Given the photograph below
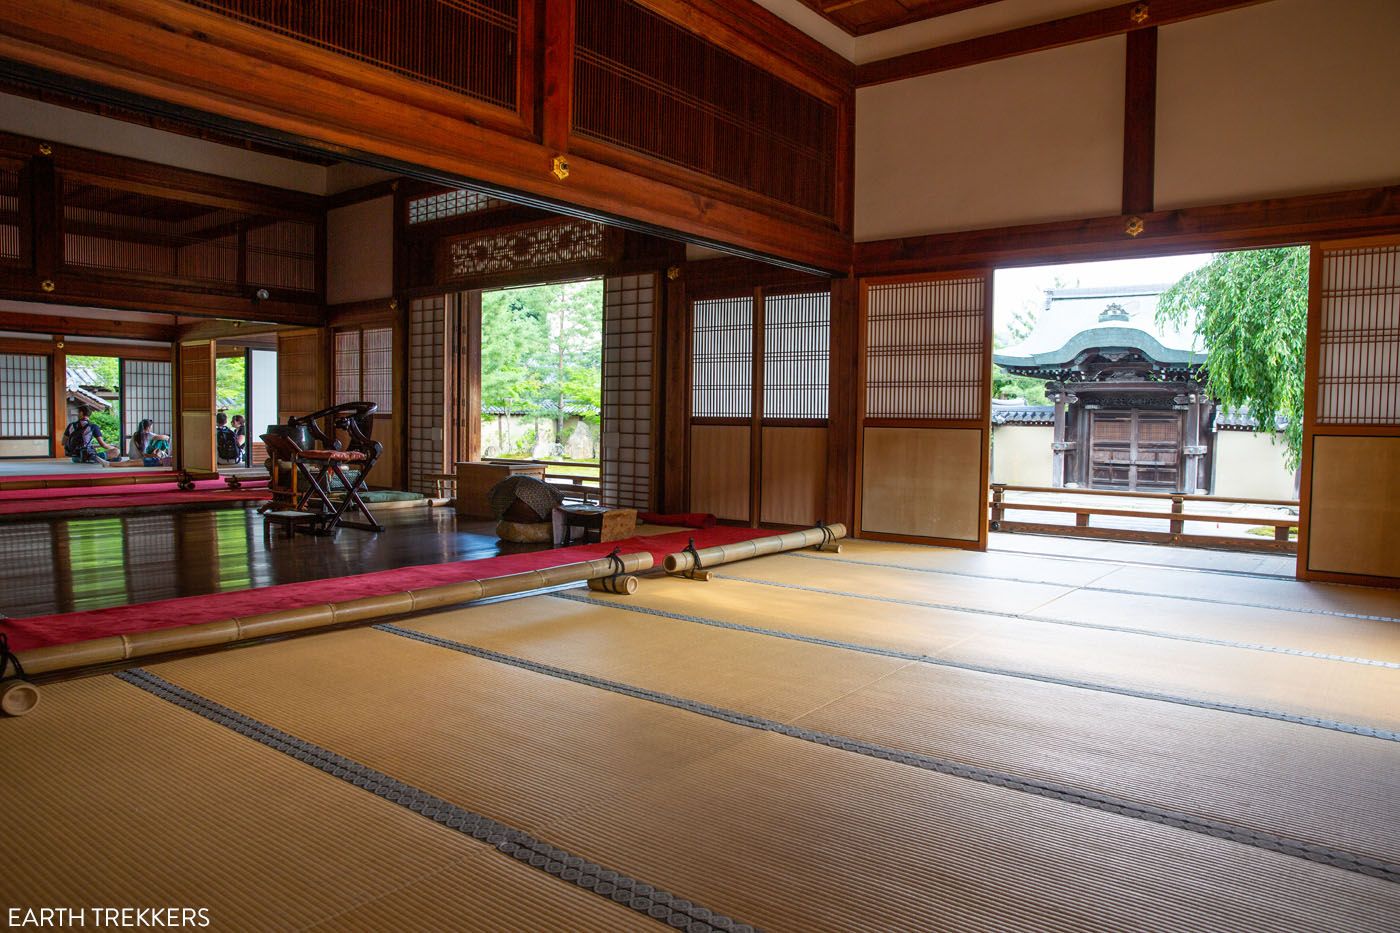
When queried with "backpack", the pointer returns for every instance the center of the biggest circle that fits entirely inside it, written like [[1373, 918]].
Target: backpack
[[227, 444], [75, 440]]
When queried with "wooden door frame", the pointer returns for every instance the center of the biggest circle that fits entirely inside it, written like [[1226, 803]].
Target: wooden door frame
[[862, 421], [1312, 431]]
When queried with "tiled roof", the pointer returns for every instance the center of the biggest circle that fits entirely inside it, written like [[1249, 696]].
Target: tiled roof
[[1023, 414]]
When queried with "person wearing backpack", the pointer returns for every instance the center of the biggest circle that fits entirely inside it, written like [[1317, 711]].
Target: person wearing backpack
[[83, 440], [226, 441]]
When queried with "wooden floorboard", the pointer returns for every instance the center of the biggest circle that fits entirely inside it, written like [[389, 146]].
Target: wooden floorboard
[[78, 564]]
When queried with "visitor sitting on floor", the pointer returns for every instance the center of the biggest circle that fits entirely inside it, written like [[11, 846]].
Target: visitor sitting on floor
[[226, 441], [240, 434], [83, 440], [150, 448]]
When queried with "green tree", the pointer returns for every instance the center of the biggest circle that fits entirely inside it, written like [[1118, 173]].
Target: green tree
[[1251, 311], [231, 383], [541, 349]]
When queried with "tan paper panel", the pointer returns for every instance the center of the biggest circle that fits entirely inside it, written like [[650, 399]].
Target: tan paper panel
[[1355, 510], [115, 797], [719, 470], [923, 481], [794, 475], [197, 439]]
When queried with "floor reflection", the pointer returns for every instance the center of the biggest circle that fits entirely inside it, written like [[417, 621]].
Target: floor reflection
[[94, 563]]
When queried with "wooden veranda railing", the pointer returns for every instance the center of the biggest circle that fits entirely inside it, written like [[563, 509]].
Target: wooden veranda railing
[[1175, 517]]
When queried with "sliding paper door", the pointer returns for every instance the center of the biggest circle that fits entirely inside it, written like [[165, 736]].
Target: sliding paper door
[[925, 429], [198, 401], [1350, 491]]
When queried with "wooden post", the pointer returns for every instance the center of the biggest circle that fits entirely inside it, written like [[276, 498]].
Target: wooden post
[[58, 391], [1177, 525], [998, 498]]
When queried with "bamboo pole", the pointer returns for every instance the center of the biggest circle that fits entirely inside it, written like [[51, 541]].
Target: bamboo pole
[[684, 561], [309, 618]]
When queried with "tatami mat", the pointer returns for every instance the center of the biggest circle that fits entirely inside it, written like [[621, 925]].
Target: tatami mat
[[1352, 693], [116, 798], [920, 574], [1305, 783], [770, 829]]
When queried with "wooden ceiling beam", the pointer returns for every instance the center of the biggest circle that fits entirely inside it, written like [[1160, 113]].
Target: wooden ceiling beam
[[67, 326], [1085, 27], [1245, 225]]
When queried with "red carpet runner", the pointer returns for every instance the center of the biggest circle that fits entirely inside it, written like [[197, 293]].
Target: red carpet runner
[[38, 631]]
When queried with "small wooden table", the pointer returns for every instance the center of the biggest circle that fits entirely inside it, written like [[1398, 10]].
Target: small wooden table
[[598, 523], [289, 519]]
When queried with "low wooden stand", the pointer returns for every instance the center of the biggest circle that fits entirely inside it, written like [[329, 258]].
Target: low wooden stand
[[290, 520], [598, 523]]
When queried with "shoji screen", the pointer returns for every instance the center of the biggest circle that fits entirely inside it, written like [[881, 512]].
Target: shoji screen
[[1351, 444], [629, 349], [426, 391], [146, 393], [796, 387], [925, 431], [722, 399], [24, 405]]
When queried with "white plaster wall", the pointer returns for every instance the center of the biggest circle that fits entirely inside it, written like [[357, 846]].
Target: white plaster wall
[[1250, 466], [1029, 139], [1283, 98], [360, 251], [12, 447], [55, 124], [1021, 454]]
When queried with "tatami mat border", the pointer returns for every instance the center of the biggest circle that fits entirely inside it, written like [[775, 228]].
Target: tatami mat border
[[1075, 623], [646, 899], [1326, 855], [1335, 726]]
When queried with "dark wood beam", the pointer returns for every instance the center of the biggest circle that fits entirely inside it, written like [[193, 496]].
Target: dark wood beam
[[378, 189], [67, 326], [74, 101], [175, 56], [222, 329], [1245, 225], [1140, 122], [131, 294], [1098, 24]]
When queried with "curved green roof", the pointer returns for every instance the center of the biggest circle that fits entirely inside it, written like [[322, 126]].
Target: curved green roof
[[1103, 338]]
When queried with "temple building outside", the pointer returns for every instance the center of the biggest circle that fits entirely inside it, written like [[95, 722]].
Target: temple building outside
[[1128, 407]]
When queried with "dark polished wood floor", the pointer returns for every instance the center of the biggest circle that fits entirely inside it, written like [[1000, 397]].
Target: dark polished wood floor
[[94, 563]]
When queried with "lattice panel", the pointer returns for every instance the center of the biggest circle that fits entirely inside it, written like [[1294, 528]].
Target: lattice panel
[[538, 247], [282, 255], [427, 408], [347, 366], [925, 350], [24, 395], [722, 358], [451, 204], [196, 378], [466, 46], [647, 84], [796, 355], [146, 393], [300, 374], [9, 213], [629, 308], [377, 368], [1359, 337]]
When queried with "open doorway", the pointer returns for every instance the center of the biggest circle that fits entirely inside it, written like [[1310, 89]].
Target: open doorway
[[1167, 385], [542, 379], [245, 380]]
